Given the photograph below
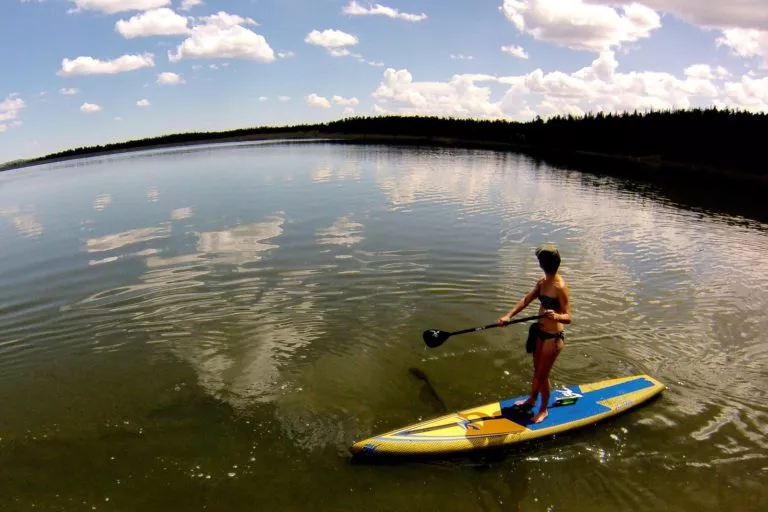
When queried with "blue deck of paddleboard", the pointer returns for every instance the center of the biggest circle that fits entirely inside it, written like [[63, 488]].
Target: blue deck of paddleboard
[[586, 406]]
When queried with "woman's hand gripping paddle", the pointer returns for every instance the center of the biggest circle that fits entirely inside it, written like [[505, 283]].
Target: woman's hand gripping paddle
[[435, 337]]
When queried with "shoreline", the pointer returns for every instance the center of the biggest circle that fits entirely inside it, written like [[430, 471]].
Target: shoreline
[[543, 153], [298, 136], [714, 189]]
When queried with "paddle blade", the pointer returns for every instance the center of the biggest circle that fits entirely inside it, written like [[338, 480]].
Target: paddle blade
[[435, 337]]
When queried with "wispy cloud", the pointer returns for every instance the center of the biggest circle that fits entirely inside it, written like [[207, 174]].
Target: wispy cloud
[[89, 108], [91, 66], [355, 9], [169, 78], [515, 51]]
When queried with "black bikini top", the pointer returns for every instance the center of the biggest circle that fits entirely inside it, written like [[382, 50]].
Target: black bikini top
[[550, 302]]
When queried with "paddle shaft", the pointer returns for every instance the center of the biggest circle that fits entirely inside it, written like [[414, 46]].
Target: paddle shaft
[[490, 326], [435, 337]]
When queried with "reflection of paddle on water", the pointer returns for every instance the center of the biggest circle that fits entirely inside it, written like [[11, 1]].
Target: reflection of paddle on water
[[428, 386]]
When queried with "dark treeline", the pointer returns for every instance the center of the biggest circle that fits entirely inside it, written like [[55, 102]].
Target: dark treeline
[[173, 140], [713, 138]]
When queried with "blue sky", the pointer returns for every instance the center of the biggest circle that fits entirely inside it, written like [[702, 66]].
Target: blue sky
[[82, 72]]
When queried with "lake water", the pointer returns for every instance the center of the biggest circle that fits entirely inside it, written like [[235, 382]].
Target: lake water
[[212, 328]]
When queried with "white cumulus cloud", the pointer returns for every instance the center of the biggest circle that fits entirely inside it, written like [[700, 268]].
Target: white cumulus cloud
[[143, 103], [515, 51], [579, 25], [335, 41], [223, 36], [68, 91], [157, 22], [91, 66], [89, 108], [318, 101], [115, 6], [708, 13], [283, 98], [10, 107], [748, 94], [460, 96], [746, 43], [347, 102], [355, 9], [189, 4], [598, 87], [743, 23], [706, 72], [224, 20], [168, 78]]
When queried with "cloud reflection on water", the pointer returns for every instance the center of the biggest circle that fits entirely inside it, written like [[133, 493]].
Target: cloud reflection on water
[[338, 170], [24, 222], [28, 225], [241, 244], [322, 173], [102, 201], [181, 213], [343, 232], [437, 177], [235, 329], [126, 238]]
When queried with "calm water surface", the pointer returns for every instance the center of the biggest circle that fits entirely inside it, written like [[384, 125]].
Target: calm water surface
[[210, 329]]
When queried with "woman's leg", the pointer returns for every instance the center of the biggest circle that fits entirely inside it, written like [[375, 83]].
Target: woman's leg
[[531, 400], [549, 352]]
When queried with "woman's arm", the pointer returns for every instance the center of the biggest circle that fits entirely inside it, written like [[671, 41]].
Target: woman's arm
[[522, 303], [565, 301]]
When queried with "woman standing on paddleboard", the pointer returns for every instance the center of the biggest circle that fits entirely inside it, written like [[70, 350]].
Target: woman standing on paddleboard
[[547, 335]]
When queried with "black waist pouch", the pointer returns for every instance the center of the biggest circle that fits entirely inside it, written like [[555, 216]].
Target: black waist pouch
[[530, 343]]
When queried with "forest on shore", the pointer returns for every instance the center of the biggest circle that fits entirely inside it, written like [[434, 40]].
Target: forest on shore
[[724, 140]]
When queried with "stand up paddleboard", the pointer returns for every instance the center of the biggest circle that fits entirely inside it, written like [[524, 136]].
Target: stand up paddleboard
[[502, 423]]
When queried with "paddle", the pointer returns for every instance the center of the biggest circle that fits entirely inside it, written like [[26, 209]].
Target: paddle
[[435, 337]]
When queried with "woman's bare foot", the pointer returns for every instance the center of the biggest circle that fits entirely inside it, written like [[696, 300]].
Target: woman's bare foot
[[541, 416], [527, 403]]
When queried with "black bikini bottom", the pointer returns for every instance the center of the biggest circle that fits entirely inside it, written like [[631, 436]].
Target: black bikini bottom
[[534, 332], [549, 335]]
